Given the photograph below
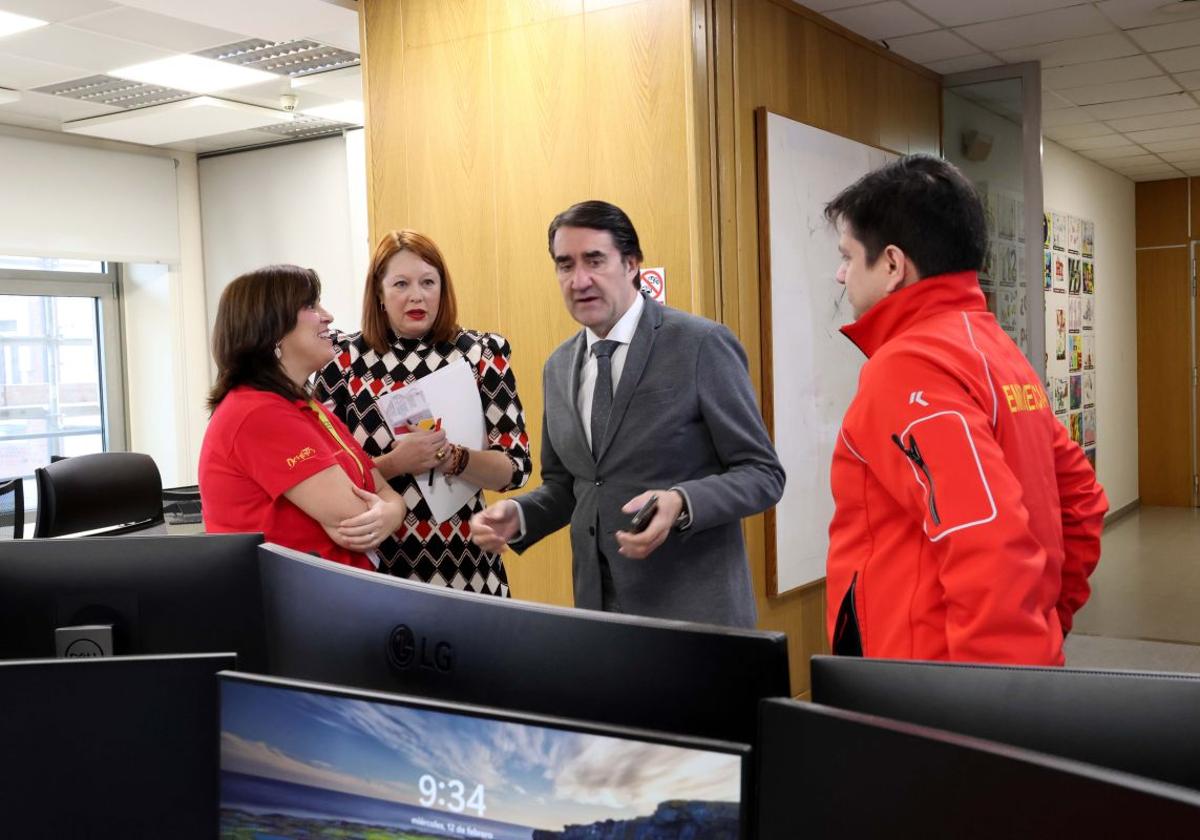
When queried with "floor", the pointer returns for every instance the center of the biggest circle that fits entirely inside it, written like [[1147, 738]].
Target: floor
[[1144, 612]]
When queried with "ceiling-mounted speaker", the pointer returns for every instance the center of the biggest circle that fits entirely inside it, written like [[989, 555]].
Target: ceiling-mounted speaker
[[976, 145]]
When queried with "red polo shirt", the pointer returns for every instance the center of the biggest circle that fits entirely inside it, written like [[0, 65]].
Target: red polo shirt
[[258, 446]]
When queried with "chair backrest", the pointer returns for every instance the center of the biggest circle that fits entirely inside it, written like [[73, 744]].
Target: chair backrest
[[12, 509], [118, 491]]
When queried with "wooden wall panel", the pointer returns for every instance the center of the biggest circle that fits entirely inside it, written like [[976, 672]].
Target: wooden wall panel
[[486, 118], [799, 65], [1164, 373], [1194, 206], [1162, 212]]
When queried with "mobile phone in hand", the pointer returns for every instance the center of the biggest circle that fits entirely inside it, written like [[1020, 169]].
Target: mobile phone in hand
[[642, 518]]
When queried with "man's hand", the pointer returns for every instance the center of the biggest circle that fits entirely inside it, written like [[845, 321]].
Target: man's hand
[[638, 546], [495, 525]]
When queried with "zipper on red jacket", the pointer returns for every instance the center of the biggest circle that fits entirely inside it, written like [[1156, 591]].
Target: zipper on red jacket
[[914, 454], [847, 635]]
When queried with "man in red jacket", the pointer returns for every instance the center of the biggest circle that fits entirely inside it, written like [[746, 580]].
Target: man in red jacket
[[966, 521]]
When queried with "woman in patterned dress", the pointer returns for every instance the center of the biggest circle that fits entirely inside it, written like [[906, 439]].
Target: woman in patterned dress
[[409, 330]]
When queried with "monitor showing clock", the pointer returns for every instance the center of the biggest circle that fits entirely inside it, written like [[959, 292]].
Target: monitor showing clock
[[308, 759]]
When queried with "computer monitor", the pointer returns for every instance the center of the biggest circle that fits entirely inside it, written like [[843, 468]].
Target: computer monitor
[[339, 625], [120, 747], [1139, 722], [161, 594], [827, 772], [311, 760]]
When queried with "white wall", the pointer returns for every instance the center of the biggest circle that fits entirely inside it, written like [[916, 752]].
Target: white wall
[[1073, 184], [303, 203], [101, 213]]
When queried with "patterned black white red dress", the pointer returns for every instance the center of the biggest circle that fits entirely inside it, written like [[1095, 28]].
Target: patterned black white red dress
[[423, 549]]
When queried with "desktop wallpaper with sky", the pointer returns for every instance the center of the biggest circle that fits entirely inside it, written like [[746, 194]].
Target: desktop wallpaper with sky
[[325, 747]]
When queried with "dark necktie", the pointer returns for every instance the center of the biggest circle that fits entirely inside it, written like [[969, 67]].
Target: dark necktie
[[602, 396]]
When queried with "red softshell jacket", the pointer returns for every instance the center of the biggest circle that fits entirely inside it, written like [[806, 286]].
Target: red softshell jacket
[[966, 521]]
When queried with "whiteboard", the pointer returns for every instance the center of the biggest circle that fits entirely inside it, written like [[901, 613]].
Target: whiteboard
[[813, 369]]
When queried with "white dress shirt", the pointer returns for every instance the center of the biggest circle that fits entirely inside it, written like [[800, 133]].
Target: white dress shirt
[[622, 332]]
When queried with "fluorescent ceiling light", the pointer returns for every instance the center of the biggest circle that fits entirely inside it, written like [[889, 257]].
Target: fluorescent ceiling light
[[193, 73], [11, 24], [343, 112], [7, 96]]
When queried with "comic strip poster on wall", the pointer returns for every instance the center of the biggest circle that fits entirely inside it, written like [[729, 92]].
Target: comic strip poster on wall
[[1070, 285]]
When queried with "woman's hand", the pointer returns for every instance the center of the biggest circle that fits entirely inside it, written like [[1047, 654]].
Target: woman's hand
[[381, 519], [414, 452]]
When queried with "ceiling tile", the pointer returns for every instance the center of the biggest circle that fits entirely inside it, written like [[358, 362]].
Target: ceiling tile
[[1100, 72], [1072, 22], [1190, 80], [1113, 152], [55, 11], [932, 46], [1162, 176], [25, 73], [1051, 101], [1073, 51], [1134, 160], [1105, 142], [1179, 61], [1065, 116], [1182, 145], [202, 116], [1184, 158], [25, 121], [882, 20], [65, 45], [829, 5], [962, 64], [57, 108], [1154, 135], [1136, 107], [1129, 14], [1069, 132], [1149, 121], [1116, 91], [274, 20], [157, 30], [1168, 36], [957, 13]]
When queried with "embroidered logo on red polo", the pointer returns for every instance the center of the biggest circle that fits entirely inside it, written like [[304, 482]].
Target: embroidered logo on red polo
[[303, 455]]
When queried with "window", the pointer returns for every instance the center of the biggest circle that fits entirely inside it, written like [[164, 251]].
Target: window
[[60, 365]]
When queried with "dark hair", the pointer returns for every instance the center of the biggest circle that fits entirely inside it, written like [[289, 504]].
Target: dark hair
[[376, 330], [921, 204], [256, 311], [600, 215]]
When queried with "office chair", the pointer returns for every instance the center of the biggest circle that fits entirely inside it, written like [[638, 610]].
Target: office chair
[[120, 492], [181, 505], [12, 509]]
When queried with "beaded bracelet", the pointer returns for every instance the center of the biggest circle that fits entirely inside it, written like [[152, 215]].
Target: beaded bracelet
[[461, 457]]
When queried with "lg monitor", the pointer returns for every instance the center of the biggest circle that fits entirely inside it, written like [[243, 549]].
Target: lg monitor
[[122, 747], [159, 594], [1139, 722], [339, 625], [826, 772], [309, 760]]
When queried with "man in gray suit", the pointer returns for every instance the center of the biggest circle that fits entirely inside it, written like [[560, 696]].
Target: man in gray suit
[[646, 401]]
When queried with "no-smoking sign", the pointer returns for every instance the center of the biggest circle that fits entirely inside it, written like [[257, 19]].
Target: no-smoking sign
[[654, 283]]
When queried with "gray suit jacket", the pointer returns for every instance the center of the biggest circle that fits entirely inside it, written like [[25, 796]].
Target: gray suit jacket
[[684, 415]]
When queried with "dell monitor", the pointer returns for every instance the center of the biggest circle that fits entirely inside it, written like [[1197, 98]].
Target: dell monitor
[[828, 772], [335, 624], [310, 760], [1142, 723], [159, 594], [120, 747]]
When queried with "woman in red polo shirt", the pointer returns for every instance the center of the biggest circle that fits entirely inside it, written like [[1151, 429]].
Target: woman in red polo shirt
[[273, 459]]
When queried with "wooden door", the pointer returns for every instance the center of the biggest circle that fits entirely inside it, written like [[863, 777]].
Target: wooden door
[[1165, 363]]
